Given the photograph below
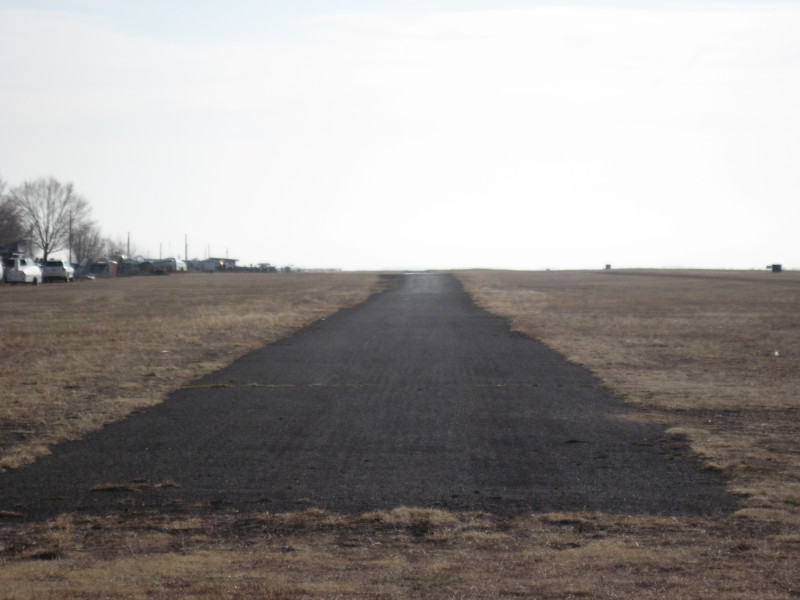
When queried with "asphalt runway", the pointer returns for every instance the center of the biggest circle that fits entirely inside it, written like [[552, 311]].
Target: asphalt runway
[[414, 398]]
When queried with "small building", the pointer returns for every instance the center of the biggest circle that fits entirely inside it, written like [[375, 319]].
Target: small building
[[104, 268], [210, 265], [167, 265]]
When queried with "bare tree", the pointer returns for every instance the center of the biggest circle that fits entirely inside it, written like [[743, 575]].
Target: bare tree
[[11, 229], [48, 210], [86, 242], [120, 247]]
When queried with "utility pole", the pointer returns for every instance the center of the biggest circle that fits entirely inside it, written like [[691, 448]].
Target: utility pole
[[186, 246]]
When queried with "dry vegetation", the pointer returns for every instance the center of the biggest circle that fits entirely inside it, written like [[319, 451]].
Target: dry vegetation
[[714, 355], [405, 553], [693, 350], [74, 357]]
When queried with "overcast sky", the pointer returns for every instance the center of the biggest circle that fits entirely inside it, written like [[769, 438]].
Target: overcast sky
[[435, 134]]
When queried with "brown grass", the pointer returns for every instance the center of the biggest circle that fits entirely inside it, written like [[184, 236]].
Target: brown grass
[[406, 553], [74, 357], [690, 349], [714, 355]]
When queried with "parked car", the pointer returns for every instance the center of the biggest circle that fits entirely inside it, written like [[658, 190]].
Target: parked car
[[21, 270], [58, 269]]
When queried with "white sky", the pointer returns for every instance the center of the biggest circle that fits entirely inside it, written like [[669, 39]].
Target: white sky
[[437, 134]]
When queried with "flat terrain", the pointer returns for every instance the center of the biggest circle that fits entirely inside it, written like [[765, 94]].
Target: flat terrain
[[75, 357], [414, 398], [712, 356]]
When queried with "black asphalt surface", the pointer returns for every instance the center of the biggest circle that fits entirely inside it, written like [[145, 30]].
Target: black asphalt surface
[[415, 398]]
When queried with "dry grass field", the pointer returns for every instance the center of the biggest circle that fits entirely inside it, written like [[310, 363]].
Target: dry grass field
[[74, 357], [695, 351], [713, 355]]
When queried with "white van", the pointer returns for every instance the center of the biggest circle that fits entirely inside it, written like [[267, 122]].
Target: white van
[[21, 270]]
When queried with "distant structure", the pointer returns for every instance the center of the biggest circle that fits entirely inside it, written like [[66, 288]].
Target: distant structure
[[105, 268], [210, 265], [775, 268], [18, 248]]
